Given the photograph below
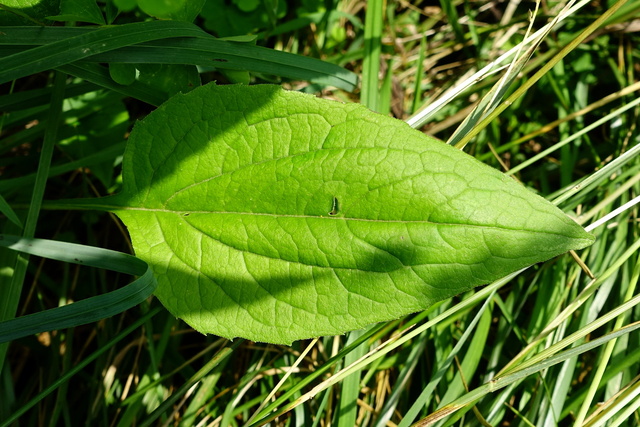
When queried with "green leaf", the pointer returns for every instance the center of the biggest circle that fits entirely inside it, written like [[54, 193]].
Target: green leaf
[[277, 216], [225, 19], [123, 74], [177, 10], [125, 5], [169, 79], [86, 132], [27, 12], [79, 10]]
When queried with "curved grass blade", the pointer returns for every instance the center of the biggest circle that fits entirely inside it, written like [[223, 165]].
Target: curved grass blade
[[87, 310]]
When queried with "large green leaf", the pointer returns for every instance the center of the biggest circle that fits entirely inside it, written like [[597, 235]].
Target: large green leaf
[[276, 216]]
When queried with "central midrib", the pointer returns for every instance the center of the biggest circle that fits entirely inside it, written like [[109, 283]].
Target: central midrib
[[186, 213]]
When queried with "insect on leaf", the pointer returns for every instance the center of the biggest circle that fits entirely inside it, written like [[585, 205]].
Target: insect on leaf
[[226, 195]]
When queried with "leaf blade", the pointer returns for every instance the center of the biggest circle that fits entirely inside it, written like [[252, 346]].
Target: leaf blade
[[229, 189]]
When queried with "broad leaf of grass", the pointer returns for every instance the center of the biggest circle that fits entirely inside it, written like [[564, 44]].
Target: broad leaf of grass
[[100, 76], [232, 55], [85, 43]]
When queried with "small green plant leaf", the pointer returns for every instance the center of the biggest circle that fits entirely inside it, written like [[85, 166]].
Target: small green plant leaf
[[169, 79], [177, 10], [276, 216], [79, 10], [27, 12], [123, 74]]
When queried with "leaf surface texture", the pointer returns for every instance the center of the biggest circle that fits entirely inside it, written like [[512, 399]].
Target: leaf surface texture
[[276, 216]]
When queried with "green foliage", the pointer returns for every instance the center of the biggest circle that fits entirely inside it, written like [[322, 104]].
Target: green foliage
[[27, 12], [79, 10], [90, 309], [79, 50], [86, 132], [177, 10], [169, 79], [123, 74], [225, 188], [226, 18], [544, 346]]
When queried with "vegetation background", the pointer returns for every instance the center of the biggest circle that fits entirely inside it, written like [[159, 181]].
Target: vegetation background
[[547, 346]]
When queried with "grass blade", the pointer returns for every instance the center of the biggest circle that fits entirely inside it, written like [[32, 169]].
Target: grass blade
[[87, 310], [372, 48], [182, 43], [10, 305], [77, 368]]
